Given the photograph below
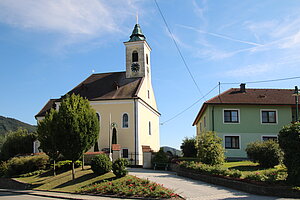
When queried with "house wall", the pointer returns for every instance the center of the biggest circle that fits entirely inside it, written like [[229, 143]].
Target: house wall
[[249, 128]]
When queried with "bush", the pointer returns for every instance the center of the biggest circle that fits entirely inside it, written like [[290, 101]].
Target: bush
[[204, 169], [119, 167], [210, 149], [3, 169], [66, 165], [234, 173], [101, 164], [17, 142], [21, 165], [267, 153], [160, 157], [289, 141], [188, 147]]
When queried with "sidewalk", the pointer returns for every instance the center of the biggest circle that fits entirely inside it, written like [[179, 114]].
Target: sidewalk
[[193, 189], [58, 195]]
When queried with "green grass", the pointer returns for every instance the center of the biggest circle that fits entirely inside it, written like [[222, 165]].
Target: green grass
[[63, 182]]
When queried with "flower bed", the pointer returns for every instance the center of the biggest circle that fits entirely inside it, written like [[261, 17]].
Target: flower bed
[[130, 186]]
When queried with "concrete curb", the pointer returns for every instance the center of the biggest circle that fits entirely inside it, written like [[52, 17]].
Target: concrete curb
[[279, 191]]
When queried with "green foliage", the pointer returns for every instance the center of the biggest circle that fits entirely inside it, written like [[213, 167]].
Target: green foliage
[[9, 124], [119, 167], [66, 165], [46, 131], [18, 142], [289, 141], [210, 149], [21, 165], [131, 186], [101, 164], [188, 147], [78, 127], [204, 168], [3, 168], [234, 173], [160, 157], [267, 153]]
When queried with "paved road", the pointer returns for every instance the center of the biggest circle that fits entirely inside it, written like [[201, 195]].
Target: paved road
[[192, 189], [12, 195]]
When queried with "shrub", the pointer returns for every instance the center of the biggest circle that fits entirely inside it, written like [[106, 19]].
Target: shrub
[[204, 169], [210, 149], [234, 173], [119, 167], [256, 176], [188, 147], [21, 165], [289, 141], [267, 153], [101, 164], [66, 165], [17, 142], [160, 157], [3, 169]]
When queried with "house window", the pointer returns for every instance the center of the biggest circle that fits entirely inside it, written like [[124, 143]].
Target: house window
[[268, 116], [135, 56], [149, 128], [125, 120], [267, 137], [204, 121], [231, 116], [125, 153], [232, 142]]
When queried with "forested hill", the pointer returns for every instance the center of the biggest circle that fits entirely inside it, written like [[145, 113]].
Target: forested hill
[[10, 124]]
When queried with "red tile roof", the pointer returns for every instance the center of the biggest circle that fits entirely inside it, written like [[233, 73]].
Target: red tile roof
[[234, 96]]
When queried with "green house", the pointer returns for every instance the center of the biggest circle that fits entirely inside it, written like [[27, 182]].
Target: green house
[[240, 116]]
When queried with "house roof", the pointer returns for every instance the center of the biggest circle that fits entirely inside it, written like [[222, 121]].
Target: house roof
[[235, 96], [102, 86]]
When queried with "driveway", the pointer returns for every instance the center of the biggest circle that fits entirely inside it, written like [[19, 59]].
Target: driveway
[[193, 189]]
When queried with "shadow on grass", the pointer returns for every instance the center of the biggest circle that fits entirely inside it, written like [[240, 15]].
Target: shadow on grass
[[105, 180], [77, 180], [248, 168]]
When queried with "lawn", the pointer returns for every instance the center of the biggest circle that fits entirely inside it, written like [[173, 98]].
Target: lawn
[[63, 182]]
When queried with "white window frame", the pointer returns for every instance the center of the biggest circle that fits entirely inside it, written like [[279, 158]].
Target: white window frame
[[276, 113], [122, 120], [232, 135], [229, 109], [268, 136]]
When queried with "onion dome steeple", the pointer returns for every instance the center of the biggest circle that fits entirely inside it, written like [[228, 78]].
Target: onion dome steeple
[[137, 34]]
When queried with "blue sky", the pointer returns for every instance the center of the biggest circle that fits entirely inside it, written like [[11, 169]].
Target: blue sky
[[48, 47]]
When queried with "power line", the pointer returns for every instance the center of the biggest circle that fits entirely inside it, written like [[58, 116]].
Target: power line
[[265, 81], [177, 47], [178, 114]]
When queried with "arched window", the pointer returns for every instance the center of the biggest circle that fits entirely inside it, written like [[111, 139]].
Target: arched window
[[135, 56], [149, 128], [147, 59], [96, 146], [125, 120]]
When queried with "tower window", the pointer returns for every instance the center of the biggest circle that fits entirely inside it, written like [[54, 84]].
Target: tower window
[[135, 56], [125, 121], [149, 128], [147, 59]]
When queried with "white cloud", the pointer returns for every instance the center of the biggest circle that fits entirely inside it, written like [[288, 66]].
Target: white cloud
[[81, 17], [250, 70]]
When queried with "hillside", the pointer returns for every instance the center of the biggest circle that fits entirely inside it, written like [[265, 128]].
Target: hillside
[[10, 124]]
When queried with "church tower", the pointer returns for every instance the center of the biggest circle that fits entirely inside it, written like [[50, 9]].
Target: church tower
[[138, 55]]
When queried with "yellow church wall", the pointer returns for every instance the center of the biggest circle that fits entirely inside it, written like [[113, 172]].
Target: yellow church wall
[[115, 108], [146, 115]]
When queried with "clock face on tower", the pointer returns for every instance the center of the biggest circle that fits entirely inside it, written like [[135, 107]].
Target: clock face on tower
[[135, 67]]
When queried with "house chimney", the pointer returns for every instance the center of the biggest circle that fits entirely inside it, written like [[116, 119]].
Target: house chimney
[[243, 87]]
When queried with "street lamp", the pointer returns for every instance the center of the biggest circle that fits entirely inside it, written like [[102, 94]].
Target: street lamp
[[296, 94]]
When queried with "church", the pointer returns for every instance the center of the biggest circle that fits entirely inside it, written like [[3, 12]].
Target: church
[[124, 102]]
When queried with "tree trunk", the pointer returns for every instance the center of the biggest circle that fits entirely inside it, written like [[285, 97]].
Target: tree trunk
[[73, 170], [54, 172], [82, 162]]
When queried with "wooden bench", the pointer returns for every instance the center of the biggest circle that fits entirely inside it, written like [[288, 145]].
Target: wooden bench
[[161, 165]]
